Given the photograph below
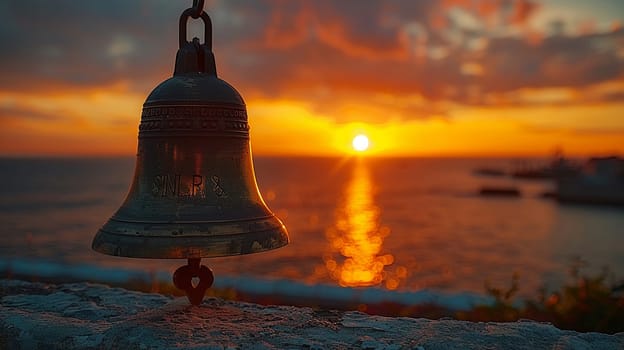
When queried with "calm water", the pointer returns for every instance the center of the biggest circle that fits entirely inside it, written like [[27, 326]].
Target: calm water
[[401, 224]]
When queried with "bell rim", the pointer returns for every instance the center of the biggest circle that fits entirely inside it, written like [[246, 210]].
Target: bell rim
[[178, 240], [123, 245], [190, 222]]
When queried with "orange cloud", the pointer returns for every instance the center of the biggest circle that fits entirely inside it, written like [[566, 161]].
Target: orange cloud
[[437, 69], [94, 122], [522, 10]]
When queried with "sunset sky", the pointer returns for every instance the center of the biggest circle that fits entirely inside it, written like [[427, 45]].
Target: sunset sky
[[420, 78]]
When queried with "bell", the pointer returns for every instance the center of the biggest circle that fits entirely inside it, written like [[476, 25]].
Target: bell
[[194, 194]]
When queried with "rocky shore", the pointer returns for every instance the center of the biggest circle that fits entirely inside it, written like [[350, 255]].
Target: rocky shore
[[92, 316]]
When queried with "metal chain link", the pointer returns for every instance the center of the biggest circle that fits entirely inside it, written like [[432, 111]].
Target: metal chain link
[[198, 8]]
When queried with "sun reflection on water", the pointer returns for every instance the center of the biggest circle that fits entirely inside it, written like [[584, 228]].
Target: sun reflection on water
[[358, 237]]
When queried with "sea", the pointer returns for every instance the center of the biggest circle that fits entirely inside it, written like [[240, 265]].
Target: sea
[[393, 224]]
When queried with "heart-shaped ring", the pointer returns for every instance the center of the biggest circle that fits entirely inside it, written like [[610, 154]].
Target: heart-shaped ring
[[183, 279]]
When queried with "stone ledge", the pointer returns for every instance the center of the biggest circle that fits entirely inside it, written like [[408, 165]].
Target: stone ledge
[[90, 316]]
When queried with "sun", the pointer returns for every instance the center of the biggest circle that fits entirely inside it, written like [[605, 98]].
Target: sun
[[360, 143]]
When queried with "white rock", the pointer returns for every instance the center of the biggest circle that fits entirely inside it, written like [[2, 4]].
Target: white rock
[[87, 316]]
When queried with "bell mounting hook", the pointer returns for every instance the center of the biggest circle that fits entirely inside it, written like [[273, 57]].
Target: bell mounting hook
[[195, 12], [193, 56]]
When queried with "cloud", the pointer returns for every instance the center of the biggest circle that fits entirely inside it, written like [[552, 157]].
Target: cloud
[[429, 55], [67, 43], [578, 131], [557, 61], [327, 52], [8, 112], [522, 11]]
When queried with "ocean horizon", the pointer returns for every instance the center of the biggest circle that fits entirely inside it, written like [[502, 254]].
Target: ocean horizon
[[400, 224]]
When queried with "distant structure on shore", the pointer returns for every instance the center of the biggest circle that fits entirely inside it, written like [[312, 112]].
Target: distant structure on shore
[[599, 181]]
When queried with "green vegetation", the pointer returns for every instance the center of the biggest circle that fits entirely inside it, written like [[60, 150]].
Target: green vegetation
[[584, 304]]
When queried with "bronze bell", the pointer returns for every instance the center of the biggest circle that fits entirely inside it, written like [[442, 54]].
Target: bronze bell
[[194, 193]]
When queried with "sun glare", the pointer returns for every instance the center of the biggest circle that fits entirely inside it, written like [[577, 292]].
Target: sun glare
[[360, 143]]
